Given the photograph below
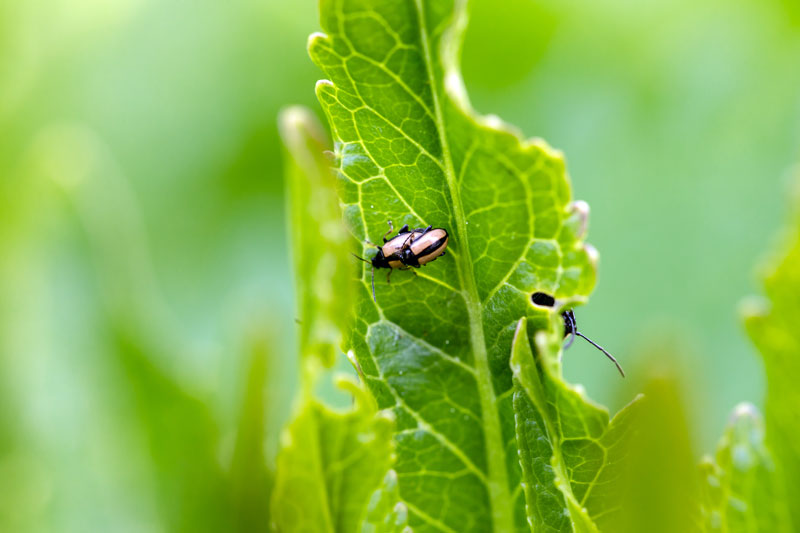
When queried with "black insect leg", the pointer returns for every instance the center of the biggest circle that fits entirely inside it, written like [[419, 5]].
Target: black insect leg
[[404, 229], [570, 327], [411, 235], [407, 242], [391, 229]]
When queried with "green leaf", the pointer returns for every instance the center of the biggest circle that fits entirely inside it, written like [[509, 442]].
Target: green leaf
[[330, 464], [773, 327], [250, 481], [386, 513], [435, 347], [657, 490], [741, 492], [569, 451], [319, 241], [191, 486]]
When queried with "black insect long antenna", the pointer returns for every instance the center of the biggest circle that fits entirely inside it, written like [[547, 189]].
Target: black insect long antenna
[[373, 275], [602, 350], [571, 329]]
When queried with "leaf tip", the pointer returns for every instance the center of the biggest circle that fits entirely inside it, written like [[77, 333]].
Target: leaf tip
[[592, 254], [753, 307], [746, 410], [580, 208], [295, 121], [315, 40], [323, 87]]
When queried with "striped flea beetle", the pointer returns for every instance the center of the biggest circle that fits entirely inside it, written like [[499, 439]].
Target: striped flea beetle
[[409, 248], [570, 325]]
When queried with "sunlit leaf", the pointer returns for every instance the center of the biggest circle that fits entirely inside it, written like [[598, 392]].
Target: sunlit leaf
[[741, 490], [435, 347]]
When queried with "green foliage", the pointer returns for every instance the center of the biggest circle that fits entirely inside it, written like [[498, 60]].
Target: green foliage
[[319, 246], [657, 490], [386, 514], [555, 421], [329, 466], [190, 482], [143, 239], [741, 492], [773, 327], [435, 347], [330, 463], [484, 433]]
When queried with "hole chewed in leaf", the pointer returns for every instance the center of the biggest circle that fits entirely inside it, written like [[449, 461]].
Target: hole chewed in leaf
[[543, 299]]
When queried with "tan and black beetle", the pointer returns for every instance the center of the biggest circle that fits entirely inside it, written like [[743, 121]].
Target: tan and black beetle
[[409, 248]]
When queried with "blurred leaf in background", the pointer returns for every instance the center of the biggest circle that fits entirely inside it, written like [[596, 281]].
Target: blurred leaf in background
[[741, 487], [773, 327], [141, 245], [658, 491], [330, 463]]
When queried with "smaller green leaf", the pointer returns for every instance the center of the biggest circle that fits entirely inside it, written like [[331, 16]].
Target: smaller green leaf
[[740, 489], [773, 326], [555, 420], [324, 270], [386, 513], [330, 464], [657, 491], [250, 480]]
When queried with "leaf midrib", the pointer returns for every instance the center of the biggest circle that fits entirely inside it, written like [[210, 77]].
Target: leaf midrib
[[499, 495]]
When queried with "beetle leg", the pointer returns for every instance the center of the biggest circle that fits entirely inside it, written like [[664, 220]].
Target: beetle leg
[[391, 229], [404, 229], [388, 275], [426, 230], [407, 242], [571, 326]]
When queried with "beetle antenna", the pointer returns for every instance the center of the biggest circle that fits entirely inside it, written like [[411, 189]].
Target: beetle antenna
[[602, 350], [373, 274], [373, 286]]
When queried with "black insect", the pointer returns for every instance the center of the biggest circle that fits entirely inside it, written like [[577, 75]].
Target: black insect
[[409, 248], [570, 326]]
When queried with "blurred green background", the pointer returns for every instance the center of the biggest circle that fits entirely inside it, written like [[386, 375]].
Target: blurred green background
[[146, 311]]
